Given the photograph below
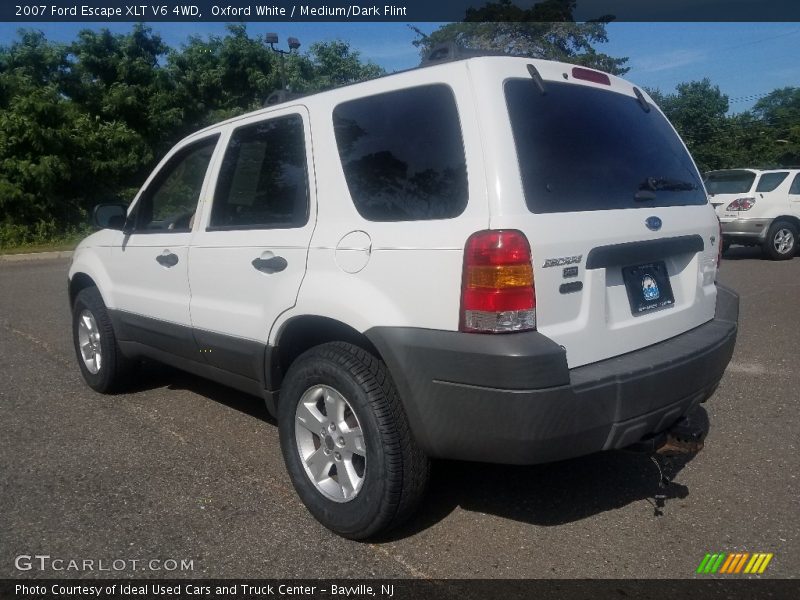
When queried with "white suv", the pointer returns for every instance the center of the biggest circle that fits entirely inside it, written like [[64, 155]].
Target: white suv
[[758, 208], [495, 259]]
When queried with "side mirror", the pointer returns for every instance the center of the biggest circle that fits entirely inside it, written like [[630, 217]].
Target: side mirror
[[110, 216]]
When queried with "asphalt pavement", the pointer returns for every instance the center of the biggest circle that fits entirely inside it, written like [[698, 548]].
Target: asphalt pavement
[[181, 469]]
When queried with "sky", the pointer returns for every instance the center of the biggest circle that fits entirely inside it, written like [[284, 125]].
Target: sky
[[746, 60]]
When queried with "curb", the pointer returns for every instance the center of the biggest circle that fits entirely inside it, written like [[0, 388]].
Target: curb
[[35, 256]]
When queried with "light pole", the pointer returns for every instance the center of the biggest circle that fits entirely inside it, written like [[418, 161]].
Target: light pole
[[294, 44]]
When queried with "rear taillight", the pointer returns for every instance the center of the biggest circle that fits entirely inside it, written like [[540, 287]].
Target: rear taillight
[[742, 204], [497, 293]]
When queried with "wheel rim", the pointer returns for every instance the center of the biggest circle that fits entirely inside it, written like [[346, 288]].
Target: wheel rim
[[330, 443], [783, 241], [89, 342]]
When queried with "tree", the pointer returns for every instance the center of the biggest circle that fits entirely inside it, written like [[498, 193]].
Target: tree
[[219, 77], [766, 137], [546, 30], [85, 122], [335, 63], [780, 113], [697, 110]]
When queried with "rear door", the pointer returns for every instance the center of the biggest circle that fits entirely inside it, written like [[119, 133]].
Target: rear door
[[624, 242], [794, 196], [772, 190], [248, 258]]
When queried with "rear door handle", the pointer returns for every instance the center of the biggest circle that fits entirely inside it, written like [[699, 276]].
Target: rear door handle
[[270, 265], [167, 259]]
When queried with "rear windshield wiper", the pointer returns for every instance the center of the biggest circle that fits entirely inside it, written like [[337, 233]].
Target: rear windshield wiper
[[651, 185], [665, 183]]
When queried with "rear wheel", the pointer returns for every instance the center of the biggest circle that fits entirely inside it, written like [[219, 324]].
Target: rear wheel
[[781, 242], [346, 441], [102, 365]]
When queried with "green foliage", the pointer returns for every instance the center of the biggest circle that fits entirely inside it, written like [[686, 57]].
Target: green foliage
[[546, 30], [767, 136], [780, 112], [84, 122]]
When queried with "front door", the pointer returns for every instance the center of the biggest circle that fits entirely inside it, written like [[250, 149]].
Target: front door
[[150, 264]]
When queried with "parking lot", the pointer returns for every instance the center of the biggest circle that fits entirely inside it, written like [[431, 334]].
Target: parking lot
[[183, 469]]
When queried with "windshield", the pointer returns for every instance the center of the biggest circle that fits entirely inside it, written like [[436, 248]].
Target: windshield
[[582, 148], [729, 182]]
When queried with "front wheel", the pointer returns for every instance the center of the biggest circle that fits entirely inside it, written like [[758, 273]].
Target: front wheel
[[102, 365], [781, 242], [346, 441]]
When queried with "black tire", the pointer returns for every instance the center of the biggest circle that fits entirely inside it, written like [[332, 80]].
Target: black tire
[[771, 244], [114, 369], [396, 470], [725, 246]]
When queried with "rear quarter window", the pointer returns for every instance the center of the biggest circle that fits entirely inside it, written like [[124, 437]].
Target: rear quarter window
[[770, 181], [402, 154], [582, 148], [795, 189]]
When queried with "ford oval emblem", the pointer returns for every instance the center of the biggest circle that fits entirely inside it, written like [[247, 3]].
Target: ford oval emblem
[[653, 223]]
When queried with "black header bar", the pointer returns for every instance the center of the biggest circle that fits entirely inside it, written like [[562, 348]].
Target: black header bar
[[710, 588], [100, 11]]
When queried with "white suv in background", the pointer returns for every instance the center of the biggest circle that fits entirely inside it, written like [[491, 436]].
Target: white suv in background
[[758, 208], [495, 259]]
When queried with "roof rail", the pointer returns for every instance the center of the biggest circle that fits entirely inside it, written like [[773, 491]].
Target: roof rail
[[449, 51], [279, 96]]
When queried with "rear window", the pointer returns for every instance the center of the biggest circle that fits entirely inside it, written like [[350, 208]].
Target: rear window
[[402, 154], [581, 148], [729, 182], [770, 181]]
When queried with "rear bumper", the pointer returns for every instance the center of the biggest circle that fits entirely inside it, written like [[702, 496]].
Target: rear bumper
[[512, 399], [753, 230]]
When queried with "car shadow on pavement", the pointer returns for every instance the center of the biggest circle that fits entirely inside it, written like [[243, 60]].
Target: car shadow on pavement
[[153, 375], [554, 493], [545, 495], [744, 253]]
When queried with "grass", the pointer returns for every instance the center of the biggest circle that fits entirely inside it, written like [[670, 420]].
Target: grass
[[54, 246]]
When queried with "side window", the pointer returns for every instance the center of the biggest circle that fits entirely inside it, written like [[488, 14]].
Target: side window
[[169, 202], [263, 181], [770, 181], [403, 154], [795, 189]]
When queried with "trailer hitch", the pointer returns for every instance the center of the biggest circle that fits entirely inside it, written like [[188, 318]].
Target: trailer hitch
[[674, 445], [683, 437]]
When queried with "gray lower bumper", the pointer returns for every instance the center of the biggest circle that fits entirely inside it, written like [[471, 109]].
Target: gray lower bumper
[[511, 398], [746, 229]]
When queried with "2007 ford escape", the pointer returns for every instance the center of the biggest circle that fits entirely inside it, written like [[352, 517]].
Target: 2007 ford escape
[[494, 259]]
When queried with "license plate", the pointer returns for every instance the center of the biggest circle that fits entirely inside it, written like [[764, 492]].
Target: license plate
[[648, 287]]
